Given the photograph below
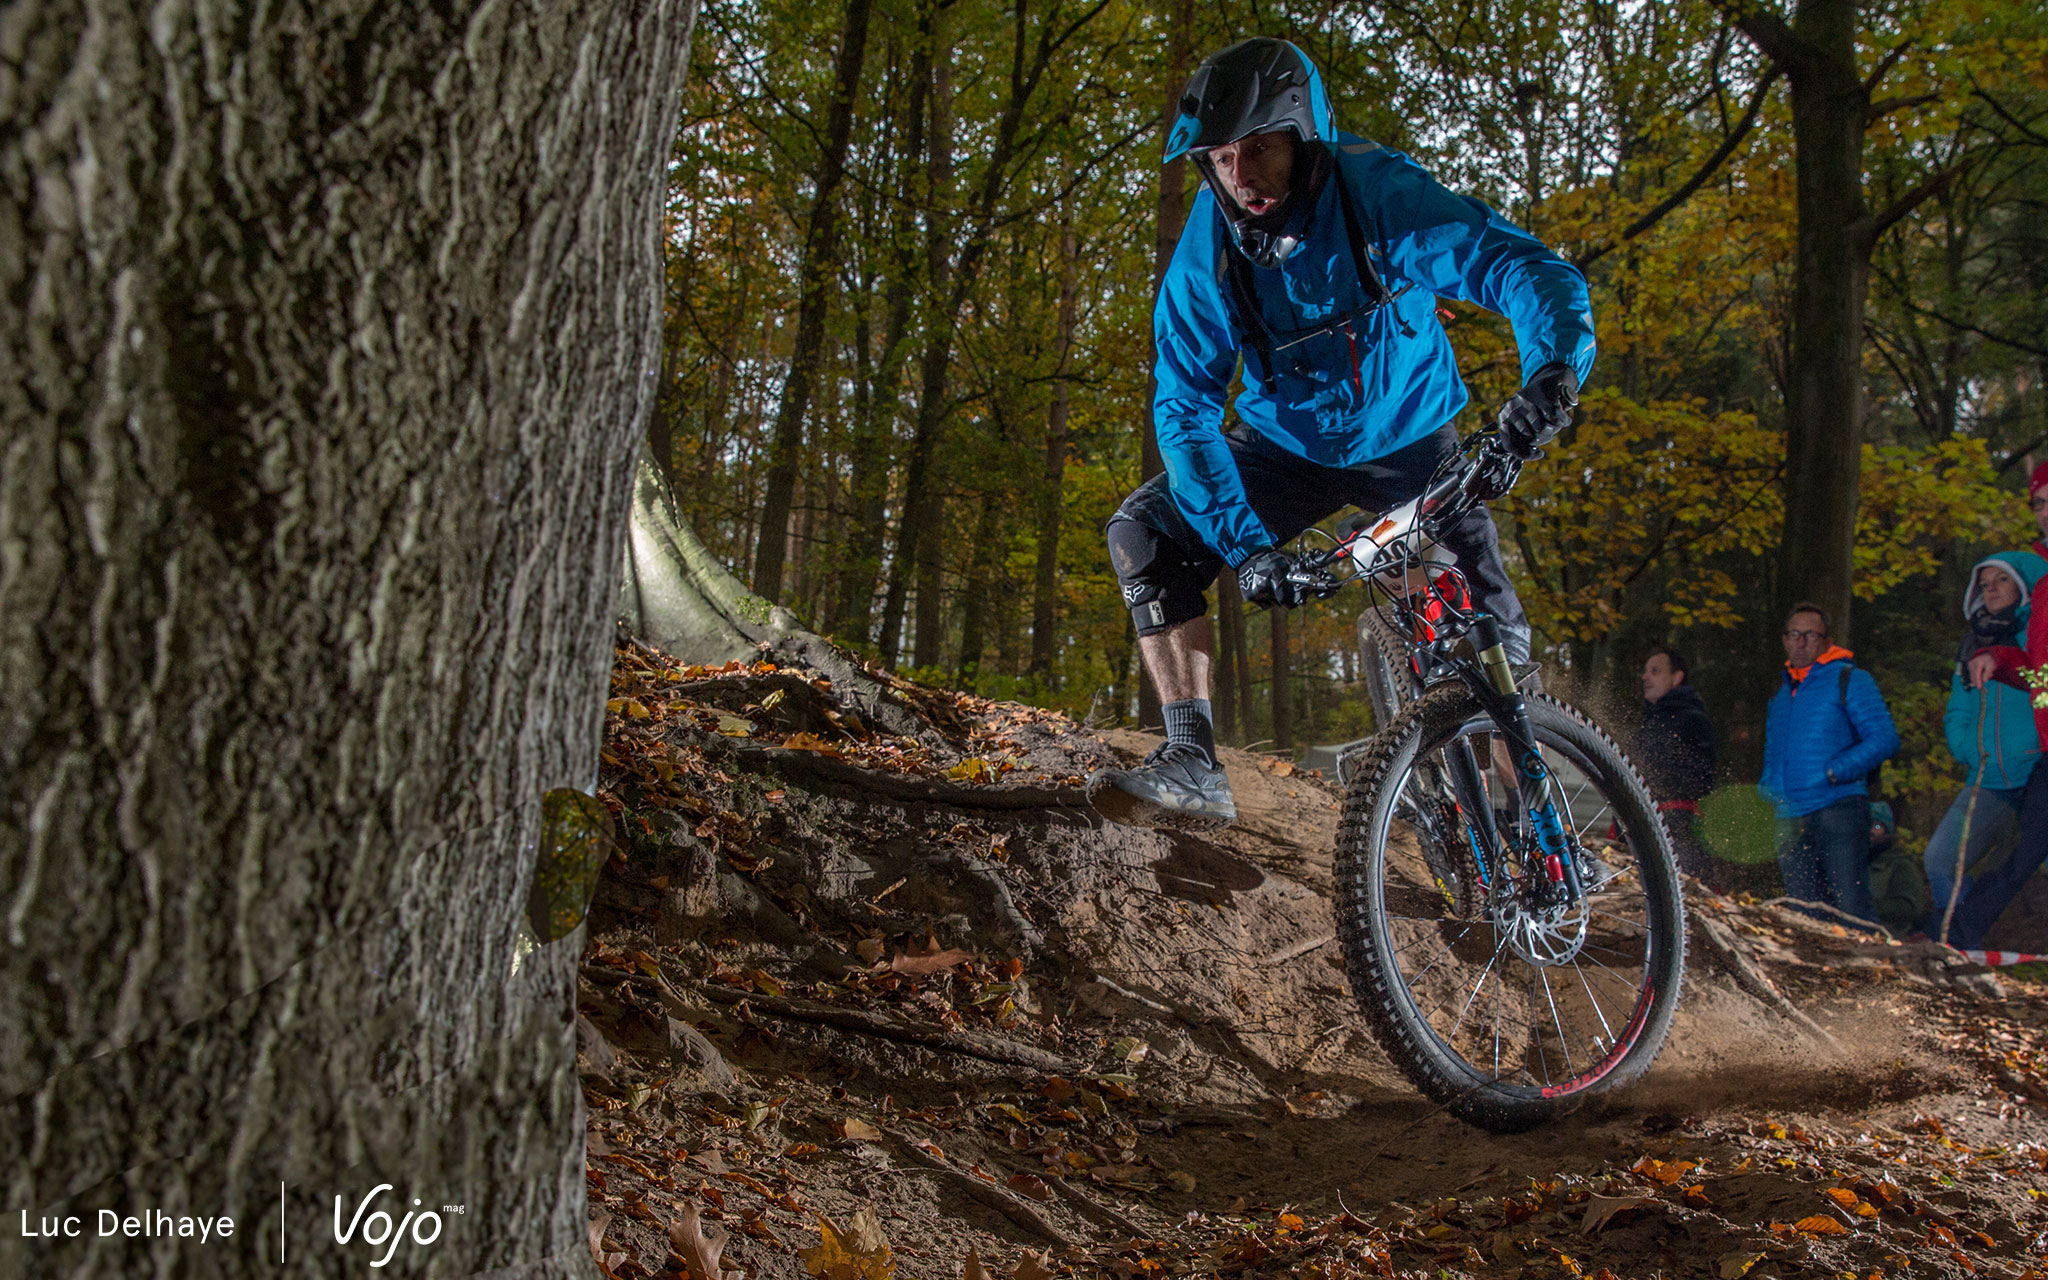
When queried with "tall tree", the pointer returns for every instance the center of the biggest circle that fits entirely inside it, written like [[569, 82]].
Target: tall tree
[[1832, 108], [820, 269], [1052, 474], [330, 328]]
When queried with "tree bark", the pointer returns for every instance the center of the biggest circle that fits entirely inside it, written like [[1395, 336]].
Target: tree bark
[[820, 269], [330, 330]]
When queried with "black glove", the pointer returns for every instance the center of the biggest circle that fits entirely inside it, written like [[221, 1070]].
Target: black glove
[[1540, 410], [1263, 579]]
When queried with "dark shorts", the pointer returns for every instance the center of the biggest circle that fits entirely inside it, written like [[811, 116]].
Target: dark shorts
[[1164, 567]]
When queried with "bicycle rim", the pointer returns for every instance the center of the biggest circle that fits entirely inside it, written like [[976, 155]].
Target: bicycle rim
[[1506, 1012]]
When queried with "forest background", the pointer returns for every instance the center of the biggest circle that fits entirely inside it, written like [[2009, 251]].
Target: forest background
[[912, 248]]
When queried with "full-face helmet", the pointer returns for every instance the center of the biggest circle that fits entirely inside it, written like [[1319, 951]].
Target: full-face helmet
[[1259, 86]]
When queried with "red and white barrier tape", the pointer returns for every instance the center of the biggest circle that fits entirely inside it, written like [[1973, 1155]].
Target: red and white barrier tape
[[1998, 959]]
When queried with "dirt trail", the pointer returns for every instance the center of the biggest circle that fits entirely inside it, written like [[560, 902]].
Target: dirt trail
[[833, 973]]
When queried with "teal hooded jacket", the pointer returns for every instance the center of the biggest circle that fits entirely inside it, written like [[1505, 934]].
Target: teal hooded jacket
[[1993, 727]]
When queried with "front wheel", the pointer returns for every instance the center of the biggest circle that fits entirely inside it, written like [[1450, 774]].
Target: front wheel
[[1502, 1004]]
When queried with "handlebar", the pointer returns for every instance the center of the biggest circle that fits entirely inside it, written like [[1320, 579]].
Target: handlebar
[[1488, 471]]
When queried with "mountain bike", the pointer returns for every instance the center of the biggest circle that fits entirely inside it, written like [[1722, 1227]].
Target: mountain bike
[[1506, 896]]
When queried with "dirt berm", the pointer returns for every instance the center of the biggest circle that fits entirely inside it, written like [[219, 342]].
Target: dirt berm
[[856, 1005]]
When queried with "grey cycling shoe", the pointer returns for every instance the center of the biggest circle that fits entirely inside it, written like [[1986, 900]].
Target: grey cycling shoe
[[1175, 787]]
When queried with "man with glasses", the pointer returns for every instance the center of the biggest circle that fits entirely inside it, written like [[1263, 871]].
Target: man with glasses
[[2025, 667], [1827, 728], [1318, 258]]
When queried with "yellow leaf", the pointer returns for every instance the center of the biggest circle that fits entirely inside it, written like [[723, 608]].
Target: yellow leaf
[[1821, 1225], [1842, 1196], [858, 1253], [972, 769], [1290, 1222], [735, 726]]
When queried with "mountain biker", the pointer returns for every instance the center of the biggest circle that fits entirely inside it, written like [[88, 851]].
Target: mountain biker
[[2024, 666], [1318, 256]]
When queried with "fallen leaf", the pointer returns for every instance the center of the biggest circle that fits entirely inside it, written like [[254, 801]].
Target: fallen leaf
[[1027, 1184], [1736, 1264], [1290, 1222], [926, 958], [700, 1248], [1181, 1180], [598, 1222], [1032, 1266], [810, 742], [972, 769], [1820, 1224], [859, 1253], [735, 726], [1842, 1196], [972, 1268], [1602, 1209], [857, 1129], [869, 949]]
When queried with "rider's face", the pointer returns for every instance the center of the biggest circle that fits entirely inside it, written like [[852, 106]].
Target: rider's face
[[1254, 170]]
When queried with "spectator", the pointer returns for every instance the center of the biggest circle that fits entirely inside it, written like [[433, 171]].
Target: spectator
[[1675, 750], [1826, 729], [1990, 729], [2023, 665]]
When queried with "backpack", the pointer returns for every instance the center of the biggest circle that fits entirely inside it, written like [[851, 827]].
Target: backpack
[[1875, 778]]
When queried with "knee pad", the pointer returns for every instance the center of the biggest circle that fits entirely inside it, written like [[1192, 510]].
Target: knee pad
[[1160, 587]]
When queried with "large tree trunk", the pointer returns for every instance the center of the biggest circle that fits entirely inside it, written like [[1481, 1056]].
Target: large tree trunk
[[1824, 396], [329, 332], [819, 271], [1831, 108]]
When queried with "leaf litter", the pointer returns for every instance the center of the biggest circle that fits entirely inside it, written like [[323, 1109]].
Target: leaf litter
[[1211, 1116]]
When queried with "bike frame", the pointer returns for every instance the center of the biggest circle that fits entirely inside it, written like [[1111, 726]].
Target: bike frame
[[1391, 551]]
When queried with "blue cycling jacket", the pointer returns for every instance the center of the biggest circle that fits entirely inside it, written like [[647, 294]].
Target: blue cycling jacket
[[1344, 400], [1814, 727]]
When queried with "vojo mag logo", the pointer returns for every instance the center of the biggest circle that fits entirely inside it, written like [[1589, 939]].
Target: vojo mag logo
[[372, 1224]]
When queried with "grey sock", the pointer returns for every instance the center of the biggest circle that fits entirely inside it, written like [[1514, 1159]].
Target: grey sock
[[1190, 722]]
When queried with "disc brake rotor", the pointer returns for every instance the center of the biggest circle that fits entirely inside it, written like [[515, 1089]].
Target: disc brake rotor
[[1544, 936]]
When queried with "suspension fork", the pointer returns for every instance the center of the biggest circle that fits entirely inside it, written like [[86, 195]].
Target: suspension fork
[[1510, 713]]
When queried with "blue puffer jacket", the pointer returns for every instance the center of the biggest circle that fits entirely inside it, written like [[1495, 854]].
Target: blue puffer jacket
[[1335, 400], [1812, 729], [1994, 726]]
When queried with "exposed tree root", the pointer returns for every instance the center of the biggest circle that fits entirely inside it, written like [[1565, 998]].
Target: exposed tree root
[[987, 1048], [989, 1194]]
